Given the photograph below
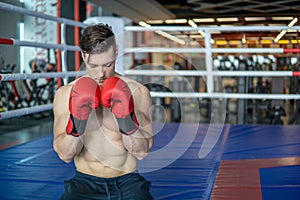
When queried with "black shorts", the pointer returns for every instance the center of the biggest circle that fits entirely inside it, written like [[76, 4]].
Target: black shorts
[[126, 187]]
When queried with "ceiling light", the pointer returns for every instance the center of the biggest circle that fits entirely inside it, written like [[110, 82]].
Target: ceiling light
[[192, 23], [199, 20], [283, 42], [171, 37], [279, 36], [201, 33], [282, 18], [228, 19], [293, 22], [144, 24], [295, 41], [155, 21], [283, 32], [175, 21], [266, 41], [221, 42], [254, 18]]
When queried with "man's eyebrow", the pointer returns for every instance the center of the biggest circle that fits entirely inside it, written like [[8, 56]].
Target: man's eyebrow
[[107, 63], [110, 62], [92, 64]]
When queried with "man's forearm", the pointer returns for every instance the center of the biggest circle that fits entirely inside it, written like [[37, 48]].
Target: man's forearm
[[138, 144], [67, 146]]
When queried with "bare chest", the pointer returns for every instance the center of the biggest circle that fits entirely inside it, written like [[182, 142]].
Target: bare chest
[[102, 138], [102, 119]]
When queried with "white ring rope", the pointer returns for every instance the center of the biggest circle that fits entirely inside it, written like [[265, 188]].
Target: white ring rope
[[204, 50], [16, 9], [221, 96], [247, 50], [189, 28], [217, 95], [215, 73], [25, 111], [14, 42], [162, 50], [45, 45], [16, 76]]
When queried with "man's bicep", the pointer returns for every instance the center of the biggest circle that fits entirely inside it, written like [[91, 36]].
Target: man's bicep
[[61, 116], [60, 110], [145, 113], [144, 107]]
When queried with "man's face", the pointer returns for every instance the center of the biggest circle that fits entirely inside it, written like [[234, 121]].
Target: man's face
[[100, 66]]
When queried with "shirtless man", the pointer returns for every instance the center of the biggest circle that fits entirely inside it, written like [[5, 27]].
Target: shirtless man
[[102, 121]]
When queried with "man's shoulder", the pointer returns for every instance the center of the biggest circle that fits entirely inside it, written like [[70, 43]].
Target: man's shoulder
[[129, 80], [64, 90], [134, 85]]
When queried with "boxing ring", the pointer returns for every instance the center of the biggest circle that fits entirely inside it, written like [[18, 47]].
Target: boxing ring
[[188, 160], [248, 162]]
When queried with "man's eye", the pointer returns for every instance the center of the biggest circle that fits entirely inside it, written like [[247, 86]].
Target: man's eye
[[109, 65]]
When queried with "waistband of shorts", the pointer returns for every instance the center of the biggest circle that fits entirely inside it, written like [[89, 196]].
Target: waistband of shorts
[[96, 178]]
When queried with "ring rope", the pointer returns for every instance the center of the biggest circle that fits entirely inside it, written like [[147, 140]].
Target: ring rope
[[213, 50], [25, 111], [218, 95], [41, 108], [16, 76], [205, 73], [189, 28], [14, 42]]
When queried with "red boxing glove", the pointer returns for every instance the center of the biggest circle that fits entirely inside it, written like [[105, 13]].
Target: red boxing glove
[[117, 96], [85, 95]]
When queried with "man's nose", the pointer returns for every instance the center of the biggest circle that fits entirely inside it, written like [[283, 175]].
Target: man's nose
[[101, 70]]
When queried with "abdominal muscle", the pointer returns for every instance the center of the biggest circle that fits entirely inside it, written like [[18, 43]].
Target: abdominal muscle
[[103, 154]]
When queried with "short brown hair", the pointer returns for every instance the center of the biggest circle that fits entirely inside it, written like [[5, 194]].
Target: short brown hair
[[97, 39]]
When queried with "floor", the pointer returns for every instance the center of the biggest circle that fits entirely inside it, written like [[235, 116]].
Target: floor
[[260, 162], [19, 130]]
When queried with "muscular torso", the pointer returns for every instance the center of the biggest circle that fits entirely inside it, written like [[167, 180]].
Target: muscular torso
[[102, 150], [103, 154]]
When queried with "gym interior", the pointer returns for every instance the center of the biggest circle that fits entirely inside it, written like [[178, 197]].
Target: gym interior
[[223, 78]]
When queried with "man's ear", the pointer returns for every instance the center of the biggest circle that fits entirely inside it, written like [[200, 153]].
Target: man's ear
[[85, 56], [117, 51], [82, 55]]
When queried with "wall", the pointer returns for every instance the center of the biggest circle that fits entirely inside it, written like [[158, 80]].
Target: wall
[[9, 29]]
